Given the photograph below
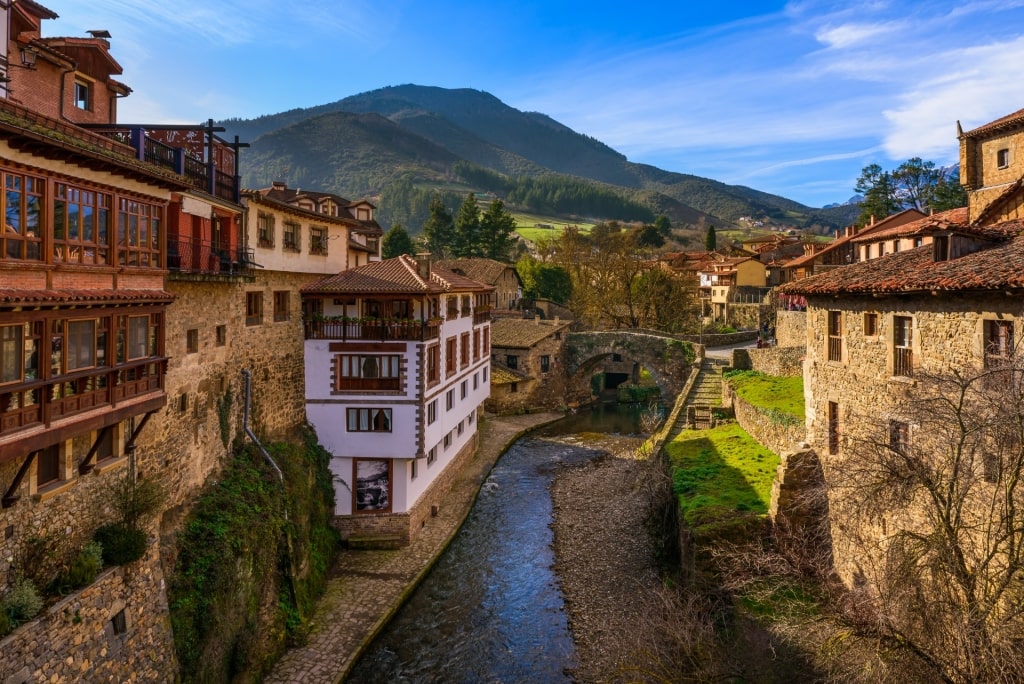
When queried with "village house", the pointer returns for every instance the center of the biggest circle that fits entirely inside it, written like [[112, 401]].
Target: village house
[[508, 286], [528, 364], [397, 359], [721, 281], [946, 294]]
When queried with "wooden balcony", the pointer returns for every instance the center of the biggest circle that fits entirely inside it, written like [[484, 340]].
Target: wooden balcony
[[903, 362], [377, 330], [481, 315]]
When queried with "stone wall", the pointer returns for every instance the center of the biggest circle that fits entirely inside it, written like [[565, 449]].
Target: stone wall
[[778, 361], [668, 359], [542, 390], [778, 433], [791, 328], [75, 640], [721, 340]]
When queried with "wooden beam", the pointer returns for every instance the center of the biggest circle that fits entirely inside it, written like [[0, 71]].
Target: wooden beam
[[10, 498], [87, 465]]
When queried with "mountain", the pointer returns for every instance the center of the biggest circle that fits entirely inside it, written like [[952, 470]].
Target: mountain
[[358, 145]]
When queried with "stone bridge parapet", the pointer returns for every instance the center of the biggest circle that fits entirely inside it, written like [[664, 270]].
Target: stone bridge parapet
[[666, 358]]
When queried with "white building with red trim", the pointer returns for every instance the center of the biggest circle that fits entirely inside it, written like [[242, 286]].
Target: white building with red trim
[[397, 359]]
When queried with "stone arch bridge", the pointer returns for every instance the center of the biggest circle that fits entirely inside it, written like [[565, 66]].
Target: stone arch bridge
[[666, 358]]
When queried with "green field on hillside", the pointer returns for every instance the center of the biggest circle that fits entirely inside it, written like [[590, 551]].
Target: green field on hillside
[[526, 225]]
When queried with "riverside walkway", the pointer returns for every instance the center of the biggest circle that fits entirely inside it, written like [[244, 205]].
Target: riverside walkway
[[368, 587]]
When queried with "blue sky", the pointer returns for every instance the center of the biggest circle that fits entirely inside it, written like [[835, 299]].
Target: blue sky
[[792, 98]]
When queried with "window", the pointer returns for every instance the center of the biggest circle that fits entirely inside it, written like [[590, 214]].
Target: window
[[81, 225], [545, 363], [870, 324], [485, 374], [558, 335], [471, 417], [449, 400], [21, 237], [81, 345], [432, 412], [447, 441], [318, 240], [835, 335], [222, 335], [487, 340], [476, 380], [368, 371], [940, 247], [1003, 158], [48, 466], [464, 389], [464, 349], [253, 308], [899, 437], [431, 455], [476, 345], [453, 306], [466, 310], [118, 623], [290, 236], [138, 233], [282, 309], [369, 419], [413, 472], [512, 361], [998, 341], [265, 230], [139, 338], [833, 428], [903, 360], [513, 388], [82, 95], [433, 365], [461, 428], [192, 341], [990, 467], [105, 444], [11, 357], [450, 359]]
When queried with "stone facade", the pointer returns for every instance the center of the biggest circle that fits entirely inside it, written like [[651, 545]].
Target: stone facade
[[667, 359], [542, 387], [774, 432], [790, 328]]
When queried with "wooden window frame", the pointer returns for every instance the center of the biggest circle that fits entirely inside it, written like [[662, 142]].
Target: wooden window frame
[[902, 346], [999, 341], [253, 308], [265, 225], [350, 372], [282, 306], [192, 341], [451, 356], [464, 349], [835, 335], [291, 236], [139, 233], [81, 225], [365, 419], [433, 363], [870, 324], [23, 200]]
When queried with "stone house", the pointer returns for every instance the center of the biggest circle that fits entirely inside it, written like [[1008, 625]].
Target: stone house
[[949, 298], [397, 367], [508, 286], [720, 281], [528, 360]]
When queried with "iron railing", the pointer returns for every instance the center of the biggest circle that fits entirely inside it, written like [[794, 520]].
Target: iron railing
[[185, 255], [408, 331]]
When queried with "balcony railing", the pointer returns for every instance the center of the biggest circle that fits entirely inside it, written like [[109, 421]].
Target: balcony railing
[[903, 362], [43, 401], [408, 331], [481, 316], [835, 348], [185, 255]]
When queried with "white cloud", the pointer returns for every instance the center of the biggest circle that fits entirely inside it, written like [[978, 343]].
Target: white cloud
[[849, 35]]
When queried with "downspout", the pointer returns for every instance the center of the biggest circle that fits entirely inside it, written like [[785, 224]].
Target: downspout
[[247, 374]]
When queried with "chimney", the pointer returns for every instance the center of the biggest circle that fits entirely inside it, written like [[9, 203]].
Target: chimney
[[872, 219], [279, 185], [423, 265]]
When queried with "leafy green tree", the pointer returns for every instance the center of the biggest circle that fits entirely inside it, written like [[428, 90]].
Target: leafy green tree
[[396, 241], [710, 239], [496, 232], [879, 192], [648, 236], [466, 241], [663, 225], [915, 180], [439, 230], [948, 193], [542, 280]]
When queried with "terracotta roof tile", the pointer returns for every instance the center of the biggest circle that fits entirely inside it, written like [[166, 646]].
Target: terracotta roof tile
[[1007, 121], [82, 296], [500, 375], [954, 219], [394, 276], [484, 270], [522, 333], [998, 267]]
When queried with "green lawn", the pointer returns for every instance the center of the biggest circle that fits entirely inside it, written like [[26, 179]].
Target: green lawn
[[720, 475], [783, 394], [526, 225]]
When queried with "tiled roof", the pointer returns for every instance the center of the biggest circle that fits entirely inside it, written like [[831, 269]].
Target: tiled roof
[[82, 296], [522, 333], [394, 276], [484, 270], [1011, 190], [998, 267], [953, 219], [500, 375], [1007, 121]]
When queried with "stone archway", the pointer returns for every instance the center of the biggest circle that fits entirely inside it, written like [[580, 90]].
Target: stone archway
[[667, 359]]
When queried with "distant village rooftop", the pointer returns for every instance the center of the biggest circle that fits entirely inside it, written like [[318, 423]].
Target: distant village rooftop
[[400, 275]]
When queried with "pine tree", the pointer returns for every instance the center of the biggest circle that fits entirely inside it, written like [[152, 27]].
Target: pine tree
[[710, 239], [466, 241], [496, 229], [396, 241], [439, 230]]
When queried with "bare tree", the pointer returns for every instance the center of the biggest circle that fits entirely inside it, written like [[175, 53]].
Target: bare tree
[[927, 511]]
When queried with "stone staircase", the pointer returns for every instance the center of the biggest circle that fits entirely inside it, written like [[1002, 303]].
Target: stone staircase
[[705, 394]]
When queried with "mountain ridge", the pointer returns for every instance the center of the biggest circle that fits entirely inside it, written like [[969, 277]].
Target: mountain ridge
[[476, 127]]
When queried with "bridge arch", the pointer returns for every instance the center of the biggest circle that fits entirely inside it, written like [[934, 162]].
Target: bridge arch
[[667, 359]]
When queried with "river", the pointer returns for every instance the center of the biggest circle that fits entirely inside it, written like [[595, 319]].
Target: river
[[491, 609]]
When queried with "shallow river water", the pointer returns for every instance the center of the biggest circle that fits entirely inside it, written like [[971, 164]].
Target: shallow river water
[[491, 609]]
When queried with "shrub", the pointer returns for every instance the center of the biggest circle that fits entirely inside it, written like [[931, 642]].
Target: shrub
[[5, 624], [135, 499], [83, 569], [22, 602], [121, 544]]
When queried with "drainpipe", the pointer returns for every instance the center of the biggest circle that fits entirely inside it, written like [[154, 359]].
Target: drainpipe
[[247, 374]]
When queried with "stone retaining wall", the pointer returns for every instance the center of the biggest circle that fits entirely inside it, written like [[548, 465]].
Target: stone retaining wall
[[778, 436], [791, 328]]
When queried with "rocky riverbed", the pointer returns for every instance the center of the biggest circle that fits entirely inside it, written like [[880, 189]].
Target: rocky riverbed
[[605, 563]]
